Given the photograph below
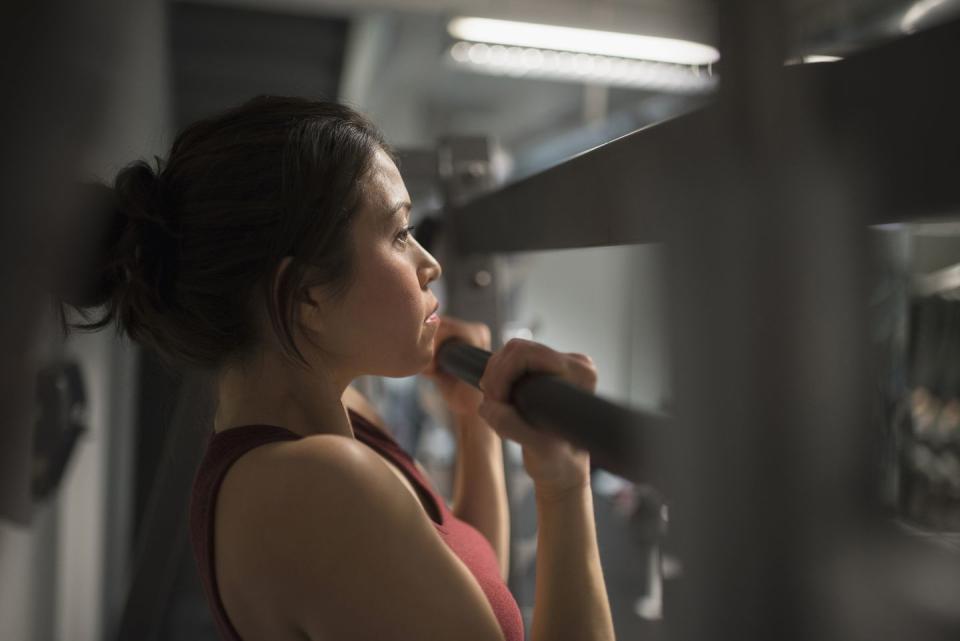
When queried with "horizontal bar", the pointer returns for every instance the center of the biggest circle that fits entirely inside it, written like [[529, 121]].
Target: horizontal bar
[[599, 198], [891, 111], [626, 442]]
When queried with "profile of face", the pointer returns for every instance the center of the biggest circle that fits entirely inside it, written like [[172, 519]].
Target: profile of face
[[379, 327]]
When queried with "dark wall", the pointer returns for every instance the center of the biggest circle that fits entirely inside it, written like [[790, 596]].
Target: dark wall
[[223, 56]]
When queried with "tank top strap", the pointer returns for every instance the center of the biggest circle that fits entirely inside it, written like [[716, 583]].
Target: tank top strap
[[222, 450], [384, 443]]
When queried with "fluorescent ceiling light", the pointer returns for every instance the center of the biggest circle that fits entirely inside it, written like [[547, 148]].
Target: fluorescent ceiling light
[[814, 59], [605, 43], [549, 64]]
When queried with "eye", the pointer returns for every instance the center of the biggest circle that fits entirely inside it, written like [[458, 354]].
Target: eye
[[405, 233]]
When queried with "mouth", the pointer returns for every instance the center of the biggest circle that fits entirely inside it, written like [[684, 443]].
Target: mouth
[[433, 317]]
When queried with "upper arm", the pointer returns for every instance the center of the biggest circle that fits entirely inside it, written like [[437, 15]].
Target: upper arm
[[358, 559]]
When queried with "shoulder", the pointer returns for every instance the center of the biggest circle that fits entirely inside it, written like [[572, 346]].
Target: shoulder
[[329, 531], [319, 495], [295, 509], [322, 467]]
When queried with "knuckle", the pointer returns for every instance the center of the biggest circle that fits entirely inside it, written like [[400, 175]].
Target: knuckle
[[512, 345], [582, 374]]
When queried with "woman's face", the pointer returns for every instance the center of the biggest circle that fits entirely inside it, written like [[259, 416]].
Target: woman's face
[[381, 327]]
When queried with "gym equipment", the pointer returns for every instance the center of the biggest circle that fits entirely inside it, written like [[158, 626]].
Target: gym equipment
[[623, 441]]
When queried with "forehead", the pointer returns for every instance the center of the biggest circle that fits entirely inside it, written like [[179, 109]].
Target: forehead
[[383, 187]]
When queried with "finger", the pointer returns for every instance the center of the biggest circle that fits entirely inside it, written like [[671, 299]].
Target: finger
[[476, 334], [486, 378], [519, 357], [506, 422], [490, 382], [582, 373], [484, 335]]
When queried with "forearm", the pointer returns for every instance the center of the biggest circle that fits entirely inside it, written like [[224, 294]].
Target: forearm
[[479, 487], [570, 600]]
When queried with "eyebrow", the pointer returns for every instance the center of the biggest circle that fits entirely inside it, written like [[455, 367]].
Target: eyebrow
[[397, 207]]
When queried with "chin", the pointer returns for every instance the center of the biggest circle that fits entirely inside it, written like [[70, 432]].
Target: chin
[[411, 366]]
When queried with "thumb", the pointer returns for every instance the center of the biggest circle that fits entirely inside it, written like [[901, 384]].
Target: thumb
[[504, 420]]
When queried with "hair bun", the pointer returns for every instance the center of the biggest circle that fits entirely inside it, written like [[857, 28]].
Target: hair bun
[[94, 229], [124, 241], [156, 242]]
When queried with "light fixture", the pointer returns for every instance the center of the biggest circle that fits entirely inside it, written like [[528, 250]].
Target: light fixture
[[586, 41], [549, 64], [812, 59], [815, 59]]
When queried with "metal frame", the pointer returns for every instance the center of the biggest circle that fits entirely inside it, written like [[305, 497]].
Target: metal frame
[[764, 200], [890, 111]]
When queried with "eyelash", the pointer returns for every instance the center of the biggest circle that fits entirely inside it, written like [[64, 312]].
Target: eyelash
[[405, 232]]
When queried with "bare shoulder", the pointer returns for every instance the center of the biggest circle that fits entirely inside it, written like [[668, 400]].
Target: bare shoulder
[[324, 468], [254, 524], [328, 532]]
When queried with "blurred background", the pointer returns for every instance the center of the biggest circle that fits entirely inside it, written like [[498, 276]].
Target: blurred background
[[99, 438]]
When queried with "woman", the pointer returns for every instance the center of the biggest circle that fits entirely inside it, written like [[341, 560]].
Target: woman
[[273, 250]]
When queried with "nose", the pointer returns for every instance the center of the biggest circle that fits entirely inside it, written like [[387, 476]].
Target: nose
[[429, 269]]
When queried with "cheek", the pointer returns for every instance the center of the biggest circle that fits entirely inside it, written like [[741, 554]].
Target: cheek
[[390, 298]]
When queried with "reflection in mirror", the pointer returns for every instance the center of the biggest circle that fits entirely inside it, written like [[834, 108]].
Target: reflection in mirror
[[918, 309]]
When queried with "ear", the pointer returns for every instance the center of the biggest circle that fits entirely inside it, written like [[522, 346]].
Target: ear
[[307, 307]]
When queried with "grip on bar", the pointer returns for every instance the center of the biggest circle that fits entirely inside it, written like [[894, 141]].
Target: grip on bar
[[619, 439]]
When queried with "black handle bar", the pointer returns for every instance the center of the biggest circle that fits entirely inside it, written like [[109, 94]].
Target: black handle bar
[[624, 441]]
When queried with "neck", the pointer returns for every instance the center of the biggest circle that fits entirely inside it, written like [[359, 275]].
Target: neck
[[272, 391]]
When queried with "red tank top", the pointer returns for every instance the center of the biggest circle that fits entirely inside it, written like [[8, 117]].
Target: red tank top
[[224, 448]]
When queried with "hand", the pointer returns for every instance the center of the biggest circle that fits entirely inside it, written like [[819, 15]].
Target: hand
[[555, 465], [461, 398]]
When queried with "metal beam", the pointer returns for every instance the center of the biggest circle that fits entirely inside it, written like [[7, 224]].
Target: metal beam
[[892, 118]]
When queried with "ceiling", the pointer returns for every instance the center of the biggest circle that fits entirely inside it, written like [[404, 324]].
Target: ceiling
[[386, 57]]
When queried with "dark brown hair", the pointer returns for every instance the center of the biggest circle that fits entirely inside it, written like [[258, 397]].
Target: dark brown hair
[[189, 247]]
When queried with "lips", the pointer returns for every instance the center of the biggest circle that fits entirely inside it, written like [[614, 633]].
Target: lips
[[435, 308]]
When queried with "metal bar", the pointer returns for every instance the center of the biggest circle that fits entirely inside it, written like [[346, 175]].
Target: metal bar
[[623, 441], [769, 352], [888, 114], [471, 288], [606, 196]]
